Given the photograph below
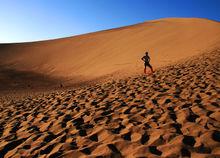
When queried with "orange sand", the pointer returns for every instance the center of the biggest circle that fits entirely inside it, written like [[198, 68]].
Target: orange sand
[[95, 55], [174, 112]]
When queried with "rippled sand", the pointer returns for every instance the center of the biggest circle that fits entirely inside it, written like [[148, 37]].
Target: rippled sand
[[172, 113]]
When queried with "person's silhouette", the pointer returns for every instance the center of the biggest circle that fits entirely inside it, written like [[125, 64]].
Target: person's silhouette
[[146, 60]]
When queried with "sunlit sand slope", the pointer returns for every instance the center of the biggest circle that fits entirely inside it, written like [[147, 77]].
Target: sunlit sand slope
[[116, 51]]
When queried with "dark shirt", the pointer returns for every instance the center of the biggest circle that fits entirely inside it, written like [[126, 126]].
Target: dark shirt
[[146, 59]]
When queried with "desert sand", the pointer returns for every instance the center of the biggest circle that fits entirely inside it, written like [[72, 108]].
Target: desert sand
[[174, 112], [96, 55]]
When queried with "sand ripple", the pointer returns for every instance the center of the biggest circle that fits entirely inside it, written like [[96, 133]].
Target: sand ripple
[[173, 113]]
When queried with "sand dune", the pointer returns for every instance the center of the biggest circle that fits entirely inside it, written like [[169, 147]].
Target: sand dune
[[173, 113], [116, 51]]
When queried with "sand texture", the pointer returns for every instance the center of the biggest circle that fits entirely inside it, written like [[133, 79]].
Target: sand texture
[[92, 56], [174, 112]]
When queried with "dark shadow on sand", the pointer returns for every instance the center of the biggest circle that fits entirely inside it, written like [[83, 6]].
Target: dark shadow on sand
[[12, 79]]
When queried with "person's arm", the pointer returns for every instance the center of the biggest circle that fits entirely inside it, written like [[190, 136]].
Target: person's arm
[[142, 58]]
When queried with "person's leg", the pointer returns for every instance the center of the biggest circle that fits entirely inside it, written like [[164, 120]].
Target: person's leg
[[145, 68], [151, 68]]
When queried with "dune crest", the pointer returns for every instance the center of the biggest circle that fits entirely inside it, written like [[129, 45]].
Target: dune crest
[[174, 112], [90, 56]]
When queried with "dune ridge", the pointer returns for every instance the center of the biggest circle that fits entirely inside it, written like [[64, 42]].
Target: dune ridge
[[86, 95], [95, 55]]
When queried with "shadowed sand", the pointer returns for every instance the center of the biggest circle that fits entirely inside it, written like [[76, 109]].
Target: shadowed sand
[[174, 112], [114, 52]]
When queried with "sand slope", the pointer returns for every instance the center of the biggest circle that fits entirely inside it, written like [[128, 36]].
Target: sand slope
[[172, 113], [93, 55]]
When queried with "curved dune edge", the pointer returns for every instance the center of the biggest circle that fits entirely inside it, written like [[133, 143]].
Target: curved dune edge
[[111, 52], [172, 113]]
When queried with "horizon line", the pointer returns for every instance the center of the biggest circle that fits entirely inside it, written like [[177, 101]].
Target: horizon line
[[97, 31]]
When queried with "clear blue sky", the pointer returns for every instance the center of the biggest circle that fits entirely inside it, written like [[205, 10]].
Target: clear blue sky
[[31, 20]]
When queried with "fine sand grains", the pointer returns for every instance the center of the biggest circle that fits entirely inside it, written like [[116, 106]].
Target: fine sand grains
[[174, 112]]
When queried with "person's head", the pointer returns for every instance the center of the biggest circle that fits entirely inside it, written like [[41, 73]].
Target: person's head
[[146, 53]]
